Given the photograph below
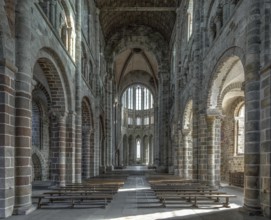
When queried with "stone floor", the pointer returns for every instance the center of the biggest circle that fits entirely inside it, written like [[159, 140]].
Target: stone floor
[[135, 201]]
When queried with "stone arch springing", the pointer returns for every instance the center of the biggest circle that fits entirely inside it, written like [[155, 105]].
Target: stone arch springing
[[88, 159]]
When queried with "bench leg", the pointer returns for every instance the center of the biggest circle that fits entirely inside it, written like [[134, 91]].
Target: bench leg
[[226, 204], [72, 203], [195, 203], [39, 203]]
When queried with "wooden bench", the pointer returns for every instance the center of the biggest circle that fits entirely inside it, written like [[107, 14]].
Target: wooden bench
[[85, 189], [64, 192], [173, 194], [194, 198], [106, 198], [177, 190], [80, 198]]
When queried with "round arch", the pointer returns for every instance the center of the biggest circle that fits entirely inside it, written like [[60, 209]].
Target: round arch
[[231, 60], [53, 69]]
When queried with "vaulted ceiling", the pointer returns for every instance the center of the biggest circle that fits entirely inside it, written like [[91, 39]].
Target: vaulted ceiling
[[160, 15]]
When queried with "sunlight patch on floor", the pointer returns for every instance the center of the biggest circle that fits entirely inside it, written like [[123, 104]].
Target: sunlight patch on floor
[[133, 189], [174, 214]]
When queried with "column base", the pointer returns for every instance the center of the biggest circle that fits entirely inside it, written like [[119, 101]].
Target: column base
[[251, 211], [24, 210]]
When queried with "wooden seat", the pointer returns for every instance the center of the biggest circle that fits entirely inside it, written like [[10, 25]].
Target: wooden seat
[[80, 198], [194, 198]]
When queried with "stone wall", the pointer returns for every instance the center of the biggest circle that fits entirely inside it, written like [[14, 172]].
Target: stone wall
[[47, 75], [225, 33]]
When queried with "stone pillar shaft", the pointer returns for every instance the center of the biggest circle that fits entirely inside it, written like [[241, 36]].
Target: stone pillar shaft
[[252, 108], [62, 150], [23, 107], [86, 153], [78, 121], [213, 150], [7, 73]]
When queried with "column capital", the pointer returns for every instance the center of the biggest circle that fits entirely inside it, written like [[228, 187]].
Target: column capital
[[214, 114]]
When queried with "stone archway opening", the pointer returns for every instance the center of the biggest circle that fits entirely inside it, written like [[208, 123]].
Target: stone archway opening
[[226, 121]]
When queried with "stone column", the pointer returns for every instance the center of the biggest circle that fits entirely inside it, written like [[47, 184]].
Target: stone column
[[163, 114], [266, 142], [156, 135], [62, 150], [213, 150], [70, 147], [7, 74], [23, 107], [150, 151], [86, 153], [252, 108], [265, 96], [78, 120], [108, 119], [7, 92], [202, 151], [187, 154], [58, 149]]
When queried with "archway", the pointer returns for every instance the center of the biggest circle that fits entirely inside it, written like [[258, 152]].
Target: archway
[[226, 95], [49, 92]]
